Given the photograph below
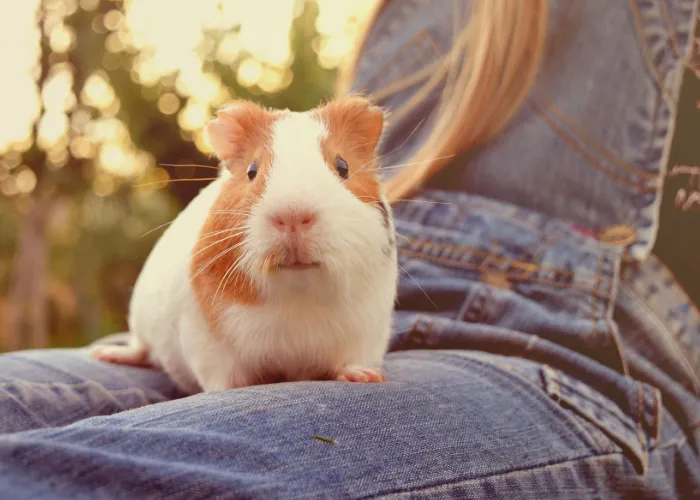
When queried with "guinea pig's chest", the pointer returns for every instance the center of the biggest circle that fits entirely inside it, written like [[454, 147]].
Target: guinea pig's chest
[[291, 343]]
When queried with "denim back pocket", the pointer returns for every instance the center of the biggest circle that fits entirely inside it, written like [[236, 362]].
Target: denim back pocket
[[610, 413], [634, 430]]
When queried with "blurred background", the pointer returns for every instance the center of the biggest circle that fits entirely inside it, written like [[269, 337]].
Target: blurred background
[[97, 96], [101, 97]]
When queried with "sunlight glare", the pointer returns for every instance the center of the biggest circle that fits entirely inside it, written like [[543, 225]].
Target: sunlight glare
[[19, 100], [173, 42]]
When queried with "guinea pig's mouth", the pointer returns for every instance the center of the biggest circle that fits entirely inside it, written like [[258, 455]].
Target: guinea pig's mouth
[[299, 266]]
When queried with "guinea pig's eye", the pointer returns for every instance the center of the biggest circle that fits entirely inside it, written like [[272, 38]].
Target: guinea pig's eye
[[342, 167], [252, 170]]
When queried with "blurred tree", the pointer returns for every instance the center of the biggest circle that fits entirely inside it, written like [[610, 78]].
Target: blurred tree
[[73, 242]]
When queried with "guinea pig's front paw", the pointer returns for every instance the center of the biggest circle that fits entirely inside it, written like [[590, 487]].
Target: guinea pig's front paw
[[359, 374]]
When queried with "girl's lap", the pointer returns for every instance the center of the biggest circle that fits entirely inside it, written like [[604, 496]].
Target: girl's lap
[[55, 387], [446, 423]]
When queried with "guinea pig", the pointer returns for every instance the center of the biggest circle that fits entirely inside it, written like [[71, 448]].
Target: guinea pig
[[284, 268]]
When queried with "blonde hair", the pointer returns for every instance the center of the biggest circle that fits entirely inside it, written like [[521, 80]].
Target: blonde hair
[[488, 73]]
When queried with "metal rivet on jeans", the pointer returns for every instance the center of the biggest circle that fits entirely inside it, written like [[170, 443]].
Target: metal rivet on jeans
[[618, 234]]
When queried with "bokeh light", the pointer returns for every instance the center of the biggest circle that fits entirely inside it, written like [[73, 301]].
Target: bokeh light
[[259, 31], [99, 95]]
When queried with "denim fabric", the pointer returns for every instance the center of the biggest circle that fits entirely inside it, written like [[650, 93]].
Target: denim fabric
[[531, 358], [601, 113]]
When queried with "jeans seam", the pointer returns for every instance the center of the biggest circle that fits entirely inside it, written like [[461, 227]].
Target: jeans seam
[[542, 392], [640, 187], [658, 415], [646, 53], [575, 131], [640, 419], [79, 414], [673, 443], [457, 482], [466, 251], [505, 366], [147, 393], [461, 265], [559, 397], [678, 347], [528, 268], [575, 237], [594, 310], [670, 30], [578, 394], [586, 242]]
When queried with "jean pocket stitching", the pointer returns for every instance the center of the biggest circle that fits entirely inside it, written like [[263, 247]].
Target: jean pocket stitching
[[594, 310], [627, 435], [581, 146], [649, 417], [573, 141], [555, 393], [678, 346], [535, 388], [453, 263], [602, 443], [641, 32]]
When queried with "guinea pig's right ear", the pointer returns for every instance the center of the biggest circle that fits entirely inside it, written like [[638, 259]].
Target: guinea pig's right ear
[[354, 118], [237, 129]]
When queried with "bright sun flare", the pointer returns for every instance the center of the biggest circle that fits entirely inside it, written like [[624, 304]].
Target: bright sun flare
[[259, 32]]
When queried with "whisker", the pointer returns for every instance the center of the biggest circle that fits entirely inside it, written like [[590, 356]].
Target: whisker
[[401, 165], [360, 146], [187, 165], [213, 301], [214, 259], [414, 163], [230, 212], [405, 140], [157, 228], [216, 243], [212, 233], [213, 212], [390, 152], [404, 200], [418, 285], [423, 201]]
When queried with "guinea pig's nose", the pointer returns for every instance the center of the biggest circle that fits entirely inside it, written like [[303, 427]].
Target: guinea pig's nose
[[291, 220]]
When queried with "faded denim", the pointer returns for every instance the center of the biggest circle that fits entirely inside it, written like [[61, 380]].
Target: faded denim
[[533, 357]]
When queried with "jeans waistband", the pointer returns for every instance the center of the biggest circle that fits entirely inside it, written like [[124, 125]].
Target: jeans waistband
[[473, 232]]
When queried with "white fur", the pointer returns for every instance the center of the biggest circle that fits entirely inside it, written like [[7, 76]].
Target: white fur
[[319, 319]]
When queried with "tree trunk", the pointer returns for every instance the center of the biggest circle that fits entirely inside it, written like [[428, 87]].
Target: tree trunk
[[28, 300]]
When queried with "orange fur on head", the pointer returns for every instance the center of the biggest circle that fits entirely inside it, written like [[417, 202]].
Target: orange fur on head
[[240, 134], [355, 127], [240, 130]]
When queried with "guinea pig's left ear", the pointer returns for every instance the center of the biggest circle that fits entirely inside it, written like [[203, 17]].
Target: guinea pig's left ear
[[359, 122], [237, 129]]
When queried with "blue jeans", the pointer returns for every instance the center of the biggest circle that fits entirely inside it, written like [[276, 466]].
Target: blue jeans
[[531, 358]]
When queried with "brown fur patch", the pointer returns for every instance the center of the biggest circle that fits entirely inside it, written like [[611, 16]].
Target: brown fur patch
[[240, 134], [355, 127], [240, 131]]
